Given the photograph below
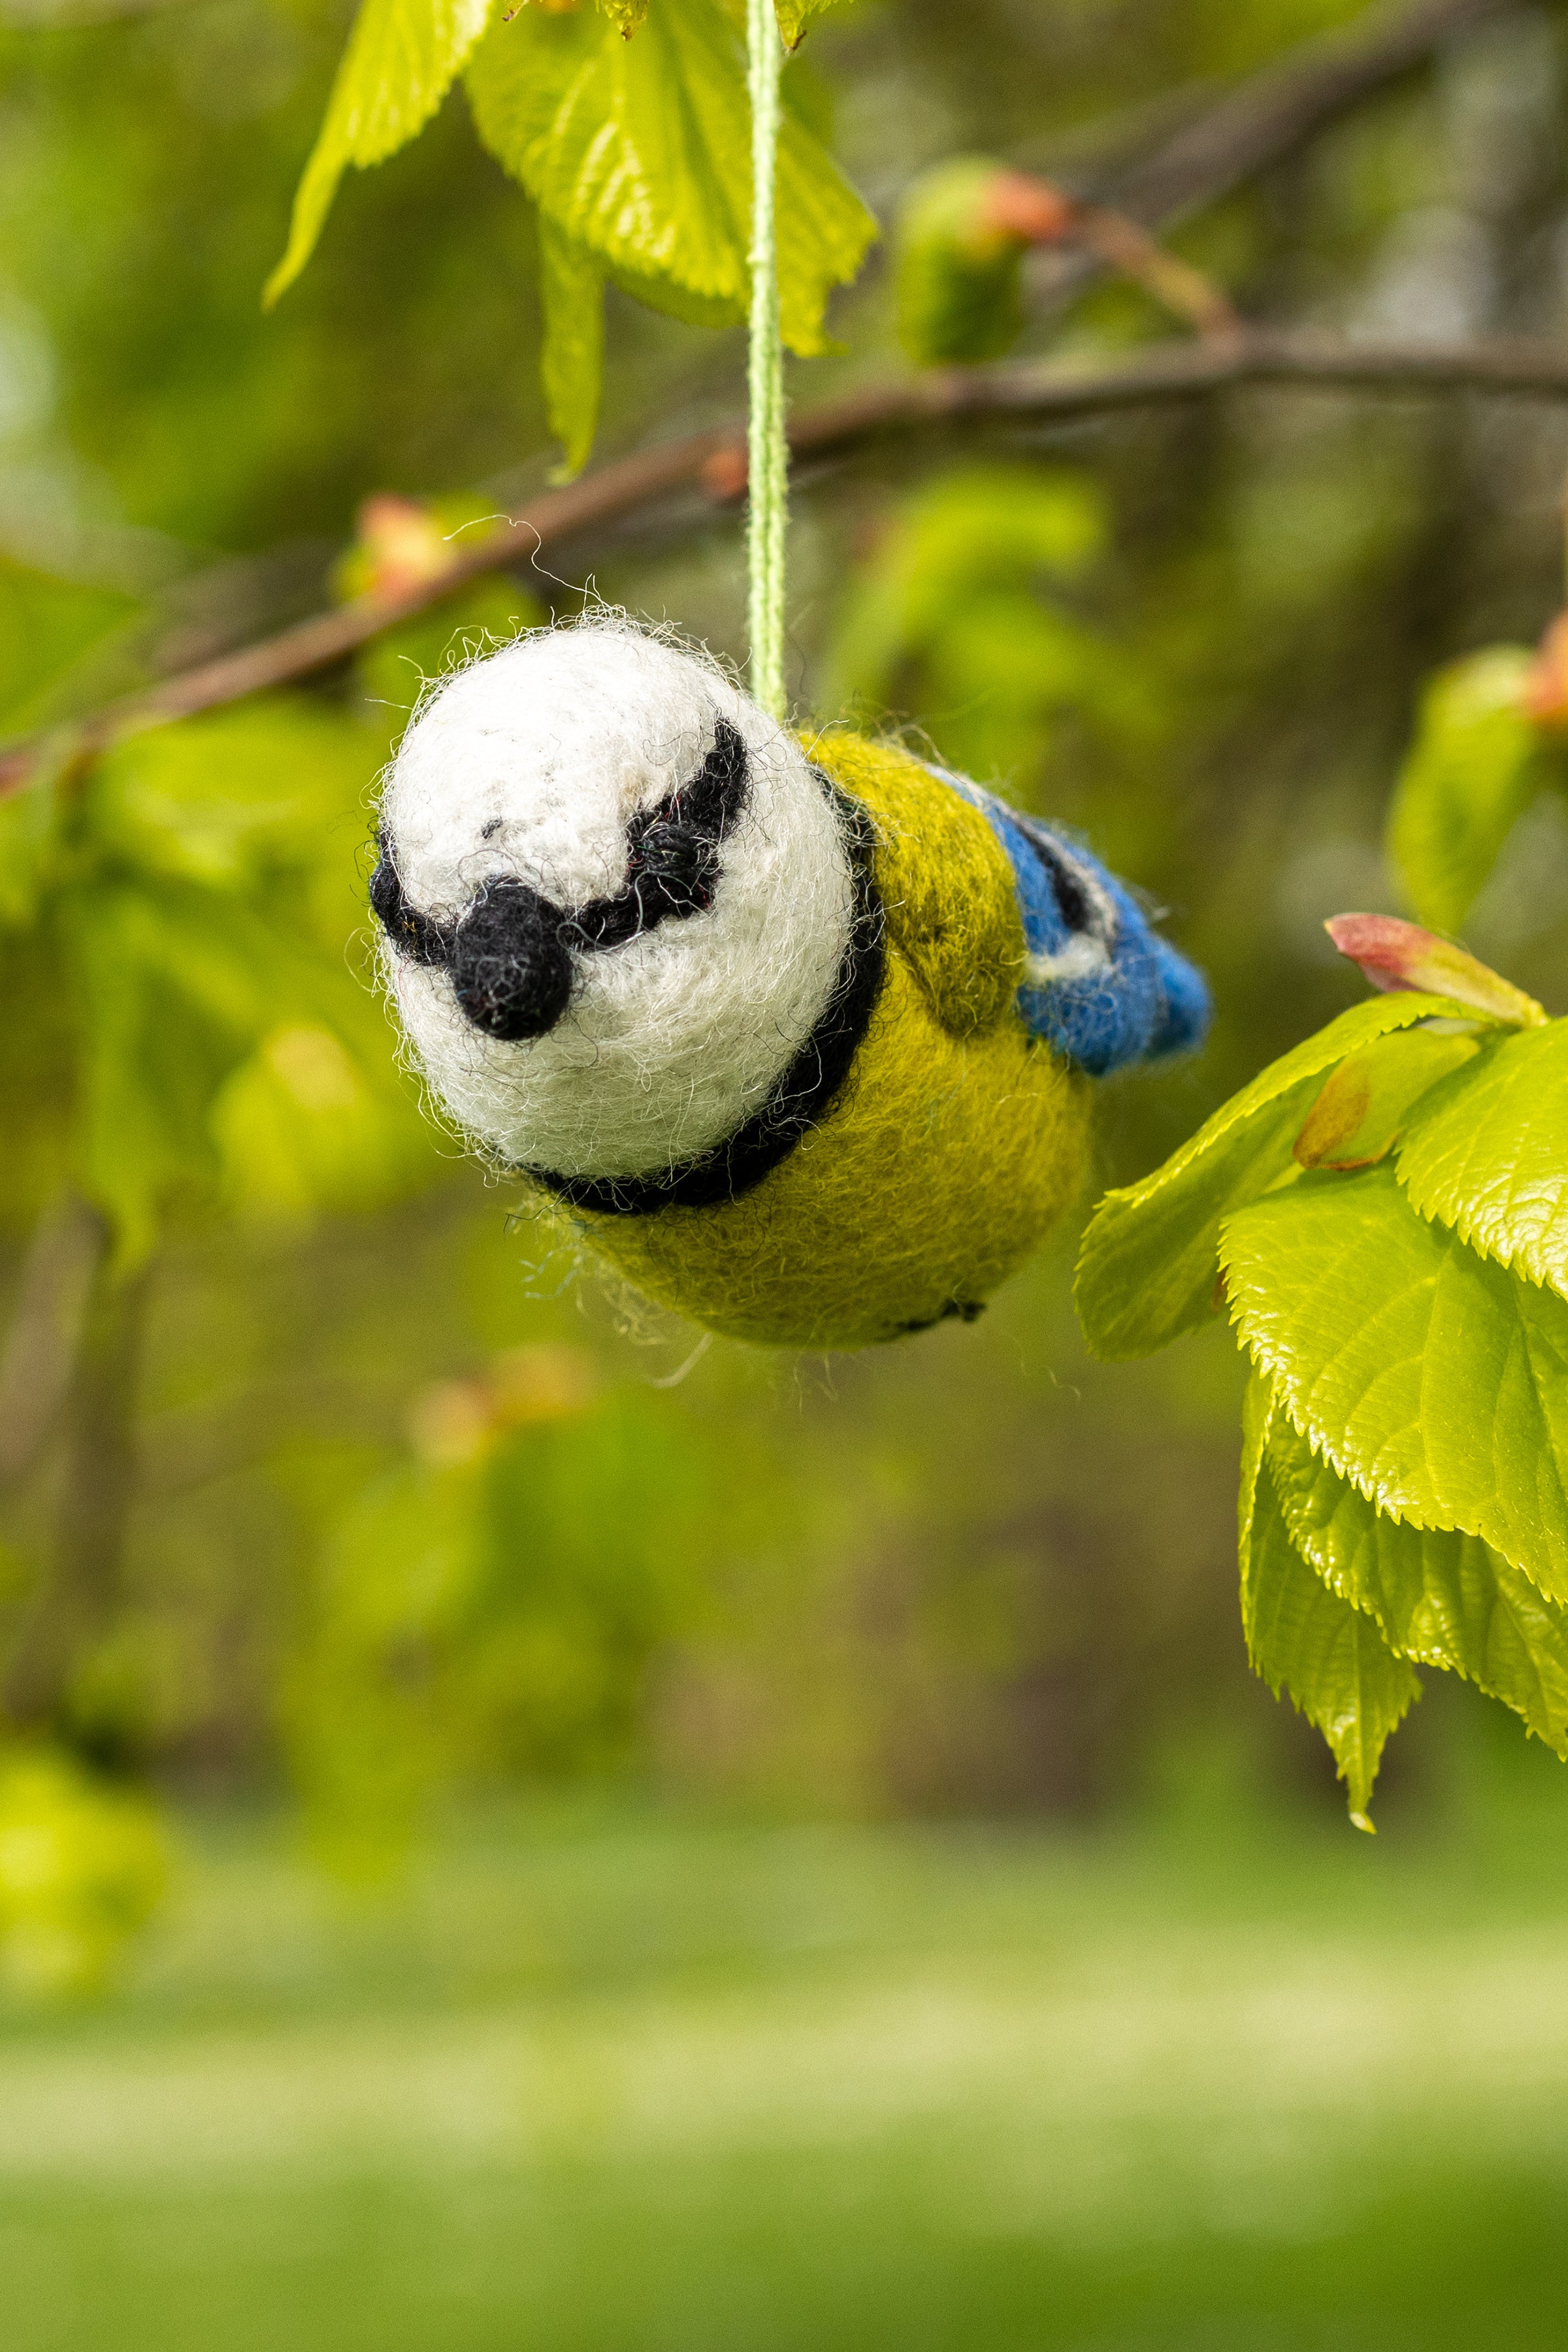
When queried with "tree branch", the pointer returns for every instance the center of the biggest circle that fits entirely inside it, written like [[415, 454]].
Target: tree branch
[[1265, 118], [82, 1590], [1271, 113], [713, 465]]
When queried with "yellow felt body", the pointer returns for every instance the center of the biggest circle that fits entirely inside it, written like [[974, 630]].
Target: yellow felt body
[[944, 879], [956, 1140]]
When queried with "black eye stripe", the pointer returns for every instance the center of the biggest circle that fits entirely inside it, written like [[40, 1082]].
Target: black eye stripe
[[496, 946], [674, 860], [1076, 907], [422, 937]]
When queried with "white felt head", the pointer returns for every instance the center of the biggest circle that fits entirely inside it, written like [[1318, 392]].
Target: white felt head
[[529, 763]]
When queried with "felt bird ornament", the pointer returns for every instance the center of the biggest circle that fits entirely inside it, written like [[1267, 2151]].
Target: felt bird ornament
[[798, 1031]]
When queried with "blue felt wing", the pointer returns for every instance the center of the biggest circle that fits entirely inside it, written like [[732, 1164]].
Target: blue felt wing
[[1102, 984]]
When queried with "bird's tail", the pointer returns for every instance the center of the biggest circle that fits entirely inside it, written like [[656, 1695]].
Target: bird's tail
[[1100, 983]]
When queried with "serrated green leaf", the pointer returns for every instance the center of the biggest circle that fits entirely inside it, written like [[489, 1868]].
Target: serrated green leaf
[[402, 56], [626, 15], [670, 300], [1256, 1415], [1487, 1153], [1441, 1599], [641, 151], [1473, 770], [1433, 1380], [1146, 1271], [795, 17], [1306, 1640], [1366, 1102], [572, 357]]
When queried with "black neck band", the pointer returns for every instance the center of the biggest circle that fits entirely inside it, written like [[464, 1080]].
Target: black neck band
[[802, 1094]]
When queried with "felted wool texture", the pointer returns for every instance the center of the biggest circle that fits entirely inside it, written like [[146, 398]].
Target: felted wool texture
[[1107, 990], [957, 1140], [945, 880], [529, 763]]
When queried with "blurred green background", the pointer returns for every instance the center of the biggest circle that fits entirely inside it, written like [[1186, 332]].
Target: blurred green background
[[646, 1844]]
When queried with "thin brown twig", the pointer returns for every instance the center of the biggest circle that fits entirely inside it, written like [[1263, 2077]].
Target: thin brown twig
[[1123, 244], [1268, 116], [1265, 118], [1036, 392], [1037, 212], [77, 1603]]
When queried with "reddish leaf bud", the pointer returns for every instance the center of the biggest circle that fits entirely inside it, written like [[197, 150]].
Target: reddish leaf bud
[[1393, 954], [1017, 206], [1546, 688]]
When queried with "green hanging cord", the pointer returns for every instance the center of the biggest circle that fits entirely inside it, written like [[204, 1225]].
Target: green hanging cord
[[768, 451]]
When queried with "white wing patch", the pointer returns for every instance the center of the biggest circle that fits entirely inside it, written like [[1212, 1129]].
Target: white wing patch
[[1084, 954]]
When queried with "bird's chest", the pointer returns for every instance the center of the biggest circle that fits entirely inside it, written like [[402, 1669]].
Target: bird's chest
[[932, 1174]]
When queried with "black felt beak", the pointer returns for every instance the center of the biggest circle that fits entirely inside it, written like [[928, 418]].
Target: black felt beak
[[510, 951], [511, 967]]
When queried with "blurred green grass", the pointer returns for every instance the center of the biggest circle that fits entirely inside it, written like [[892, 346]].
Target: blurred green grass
[[602, 2076]]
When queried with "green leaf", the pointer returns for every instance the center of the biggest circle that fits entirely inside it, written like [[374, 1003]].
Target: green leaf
[[957, 282], [954, 583], [1146, 1271], [1440, 1597], [673, 301], [1257, 1414], [28, 831], [83, 1863], [401, 58], [305, 1124], [1430, 1378], [1487, 1152], [1473, 770], [172, 989], [572, 359], [957, 612], [971, 536], [795, 17], [1305, 1639], [641, 151], [57, 639], [224, 799], [1365, 1102]]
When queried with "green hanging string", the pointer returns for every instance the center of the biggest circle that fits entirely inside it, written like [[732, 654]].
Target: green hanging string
[[768, 451]]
